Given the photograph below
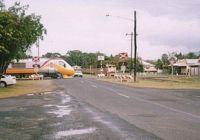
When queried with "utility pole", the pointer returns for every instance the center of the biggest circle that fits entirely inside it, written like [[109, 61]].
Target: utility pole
[[135, 49], [131, 53], [135, 46]]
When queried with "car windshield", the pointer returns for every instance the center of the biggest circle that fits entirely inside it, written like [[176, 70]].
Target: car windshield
[[78, 71]]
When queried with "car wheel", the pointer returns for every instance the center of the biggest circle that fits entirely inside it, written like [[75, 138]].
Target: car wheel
[[2, 84]]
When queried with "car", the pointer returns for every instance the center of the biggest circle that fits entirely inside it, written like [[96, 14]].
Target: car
[[78, 73], [6, 80]]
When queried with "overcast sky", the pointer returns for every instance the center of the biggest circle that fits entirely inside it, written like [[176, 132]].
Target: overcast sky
[[162, 25]]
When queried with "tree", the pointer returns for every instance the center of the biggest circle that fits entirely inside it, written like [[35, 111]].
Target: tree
[[179, 56], [191, 55], [83, 59], [159, 64], [51, 55], [18, 32], [139, 65], [165, 60]]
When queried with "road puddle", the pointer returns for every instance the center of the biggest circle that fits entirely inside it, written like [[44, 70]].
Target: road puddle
[[65, 99], [61, 111]]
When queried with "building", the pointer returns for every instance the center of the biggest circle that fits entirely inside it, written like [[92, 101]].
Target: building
[[188, 66], [149, 68]]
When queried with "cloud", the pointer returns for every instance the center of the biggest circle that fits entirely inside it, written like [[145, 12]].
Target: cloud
[[169, 31], [163, 26]]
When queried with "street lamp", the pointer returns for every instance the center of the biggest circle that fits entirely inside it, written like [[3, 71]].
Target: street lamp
[[135, 44]]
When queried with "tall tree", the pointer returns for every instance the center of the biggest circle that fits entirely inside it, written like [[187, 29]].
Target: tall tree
[[85, 60], [159, 64], [179, 56], [191, 55], [165, 60], [18, 32]]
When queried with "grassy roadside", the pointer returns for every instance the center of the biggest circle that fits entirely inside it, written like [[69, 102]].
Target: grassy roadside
[[26, 87], [162, 83]]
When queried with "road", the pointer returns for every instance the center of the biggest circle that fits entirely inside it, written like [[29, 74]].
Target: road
[[167, 114], [90, 109]]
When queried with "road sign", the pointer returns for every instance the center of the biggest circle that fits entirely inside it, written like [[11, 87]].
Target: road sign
[[35, 59], [123, 56], [101, 58]]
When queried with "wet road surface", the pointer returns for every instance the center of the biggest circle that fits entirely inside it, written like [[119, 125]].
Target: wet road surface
[[88, 109], [168, 114], [58, 116]]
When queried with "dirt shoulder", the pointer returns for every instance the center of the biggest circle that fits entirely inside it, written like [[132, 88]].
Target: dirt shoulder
[[26, 87]]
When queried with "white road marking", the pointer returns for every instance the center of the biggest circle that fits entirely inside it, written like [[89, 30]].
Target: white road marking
[[49, 105], [74, 132], [123, 95]]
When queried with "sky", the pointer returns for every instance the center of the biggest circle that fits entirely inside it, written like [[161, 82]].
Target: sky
[[163, 26]]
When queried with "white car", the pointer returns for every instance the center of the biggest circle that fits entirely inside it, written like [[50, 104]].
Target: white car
[[78, 73], [6, 80]]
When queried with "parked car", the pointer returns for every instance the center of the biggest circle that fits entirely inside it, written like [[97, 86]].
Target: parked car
[[78, 73], [6, 80]]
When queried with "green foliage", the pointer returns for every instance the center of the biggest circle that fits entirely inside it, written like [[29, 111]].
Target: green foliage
[[51, 55], [159, 64], [179, 56], [85, 60], [165, 60], [18, 32], [191, 56], [139, 66]]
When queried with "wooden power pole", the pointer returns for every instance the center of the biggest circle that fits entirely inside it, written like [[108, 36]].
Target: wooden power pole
[[135, 47]]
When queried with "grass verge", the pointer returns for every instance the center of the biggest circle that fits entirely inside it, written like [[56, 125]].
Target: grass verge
[[162, 83], [26, 87]]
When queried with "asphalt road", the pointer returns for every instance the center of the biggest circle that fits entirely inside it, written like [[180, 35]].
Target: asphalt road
[[89, 109], [50, 116], [138, 113]]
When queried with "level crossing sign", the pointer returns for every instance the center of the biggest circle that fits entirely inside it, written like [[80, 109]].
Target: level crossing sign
[[35, 59], [123, 56]]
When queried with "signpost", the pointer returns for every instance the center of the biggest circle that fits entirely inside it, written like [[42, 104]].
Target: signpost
[[123, 57], [123, 68], [172, 60], [101, 58], [36, 66]]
